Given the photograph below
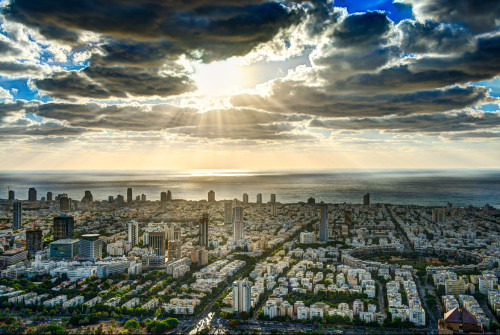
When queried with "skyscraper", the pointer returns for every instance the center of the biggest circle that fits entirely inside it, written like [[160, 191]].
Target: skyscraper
[[347, 217], [133, 233], [157, 242], [34, 241], [143, 197], [63, 227], [203, 234], [49, 196], [174, 249], [163, 197], [91, 246], [311, 200], [323, 226], [32, 194], [17, 217], [273, 209], [259, 198], [245, 198], [169, 196], [237, 223], [366, 199], [129, 195], [88, 198], [120, 201], [12, 195], [273, 198], [64, 203], [228, 212], [211, 196], [242, 296]]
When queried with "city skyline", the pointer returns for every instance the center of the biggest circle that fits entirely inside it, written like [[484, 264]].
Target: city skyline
[[250, 85]]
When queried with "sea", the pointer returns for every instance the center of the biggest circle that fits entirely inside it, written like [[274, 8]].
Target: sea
[[406, 187]]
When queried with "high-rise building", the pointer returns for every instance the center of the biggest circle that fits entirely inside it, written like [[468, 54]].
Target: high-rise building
[[65, 249], [17, 217], [129, 195], [347, 217], [259, 198], [237, 223], [163, 197], [88, 198], [111, 199], [174, 249], [228, 212], [169, 195], [366, 199], [34, 241], [242, 296], [157, 240], [245, 198], [311, 200], [273, 209], [138, 198], [32, 194], [143, 198], [64, 203], [438, 215], [323, 225], [273, 198], [133, 233], [63, 227], [120, 201], [203, 234], [91, 246], [49, 196], [211, 196], [12, 195]]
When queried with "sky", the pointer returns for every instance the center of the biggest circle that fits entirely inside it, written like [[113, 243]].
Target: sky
[[249, 84]]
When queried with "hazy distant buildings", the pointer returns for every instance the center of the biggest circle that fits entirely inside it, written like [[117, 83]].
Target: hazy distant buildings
[[111, 199], [211, 196], [88, 198], [156, 241], [17, 216], [49, 196], [32, 194], [347, 217], [34, 241], [273, 198], [129, 195], [438, 215], [245, 198], [203, 233], [63, 227], [169, 196], [12, 195], [242, 296], [366, 199], [273, 209], [174, 249], [143, 197], [228, 212], [237, 223], [323, 225], [259, 198], [64, 203], [311, 200], [91, 246], [163, 197], [120, 201], [133, 233]]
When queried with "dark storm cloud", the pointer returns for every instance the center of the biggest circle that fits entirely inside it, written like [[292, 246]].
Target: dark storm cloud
[[479, 135], [362, 29], [20, 69], [427, 123], [8, 48], [43, 129], [479, 16]]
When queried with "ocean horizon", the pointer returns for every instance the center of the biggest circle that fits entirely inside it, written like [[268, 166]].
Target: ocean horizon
[[429, 187]]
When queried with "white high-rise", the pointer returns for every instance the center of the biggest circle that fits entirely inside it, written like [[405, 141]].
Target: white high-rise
[[228, 208], [242, 296], [133, 233], [237, 223]]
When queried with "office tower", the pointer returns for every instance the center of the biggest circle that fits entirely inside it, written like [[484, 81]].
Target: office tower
[[120, 201], [169, 196], [311, 200], [129, 195], [177, 233], [12, 195], [203, 234], [211, 196], [91, 246], [64, 203], [133, 233], [259, 198], [273, 209], [32, 194], [242, 296], [366, 199], [143, 198], [34, 241], [49, 196], [163, 197], [237, 223], [438, 215], [228, 208], [138, 198], [63, 227], [348, 218], [245, 198], [88, 198], [65, 249], [202, 257], [111, 199], [174, 249], [323, 231], [157, 242], [17, 217], [273, 198], [449, 206], [263, 243]]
